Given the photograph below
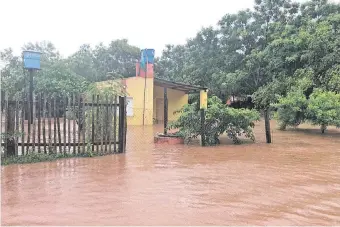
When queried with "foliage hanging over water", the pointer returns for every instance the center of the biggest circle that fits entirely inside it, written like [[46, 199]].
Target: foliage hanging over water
[[291, 109], [324, 109], [301, 104], [220, 119]]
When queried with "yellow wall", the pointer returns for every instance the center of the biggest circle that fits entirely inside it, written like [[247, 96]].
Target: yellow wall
[[176, 100], [135, 89]]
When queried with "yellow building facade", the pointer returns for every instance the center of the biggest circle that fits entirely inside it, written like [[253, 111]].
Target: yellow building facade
[[154, 101], [146, 97]]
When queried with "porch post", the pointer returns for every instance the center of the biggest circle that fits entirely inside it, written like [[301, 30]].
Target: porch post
[[203, 107], [165, 111]]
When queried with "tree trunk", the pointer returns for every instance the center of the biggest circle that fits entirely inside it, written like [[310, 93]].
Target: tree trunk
[[323, 128], [267, 125]]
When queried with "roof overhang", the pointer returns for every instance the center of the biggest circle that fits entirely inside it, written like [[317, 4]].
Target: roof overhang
[[178, 86]]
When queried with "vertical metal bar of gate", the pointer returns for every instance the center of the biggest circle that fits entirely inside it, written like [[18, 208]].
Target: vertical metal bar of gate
[[122, 125]]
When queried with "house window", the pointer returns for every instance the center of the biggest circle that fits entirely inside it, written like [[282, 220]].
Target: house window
[[129, 106]]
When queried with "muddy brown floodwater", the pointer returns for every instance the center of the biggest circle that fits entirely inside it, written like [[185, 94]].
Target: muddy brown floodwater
[[294, 181]]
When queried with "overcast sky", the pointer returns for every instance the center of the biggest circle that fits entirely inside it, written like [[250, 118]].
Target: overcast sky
[[146, 24]]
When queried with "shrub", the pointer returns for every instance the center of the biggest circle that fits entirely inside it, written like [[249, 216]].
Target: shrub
[[291, 109], [324, 109], [219, 119], [320, 108]]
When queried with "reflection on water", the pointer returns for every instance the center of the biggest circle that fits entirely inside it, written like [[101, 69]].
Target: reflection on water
[[294, 181]]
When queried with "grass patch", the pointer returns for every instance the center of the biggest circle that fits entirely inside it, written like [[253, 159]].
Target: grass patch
[[39, 157]]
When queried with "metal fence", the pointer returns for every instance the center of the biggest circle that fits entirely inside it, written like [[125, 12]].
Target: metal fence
[[63, 124]]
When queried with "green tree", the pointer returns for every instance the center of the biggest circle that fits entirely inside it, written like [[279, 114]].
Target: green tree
[[333, 76], [291, 109], [172, 63], [58, 78], [48, 50], [324, 109], [13, 80], [54, 77], [118, 57], [82, 63]]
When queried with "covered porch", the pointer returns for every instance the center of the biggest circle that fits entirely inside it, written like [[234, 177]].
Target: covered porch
[[170, 97]]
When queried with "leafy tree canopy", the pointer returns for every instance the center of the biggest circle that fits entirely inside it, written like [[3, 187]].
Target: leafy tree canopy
[[72, 74]]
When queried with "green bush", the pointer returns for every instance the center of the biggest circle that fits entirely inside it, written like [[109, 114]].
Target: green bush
[[219, 119], [291, 109], [324, 109]]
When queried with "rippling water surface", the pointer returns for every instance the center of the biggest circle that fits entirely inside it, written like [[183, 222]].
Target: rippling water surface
[[294, 181]]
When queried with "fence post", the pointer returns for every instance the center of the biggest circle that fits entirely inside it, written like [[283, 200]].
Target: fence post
[[92, 115], [202, 127], [125, 125], [165, 111], [115, 125], [122, 125], [10, 127], [17, 119]]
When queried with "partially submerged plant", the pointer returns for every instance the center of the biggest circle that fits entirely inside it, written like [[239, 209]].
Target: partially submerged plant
[[219, 119]]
